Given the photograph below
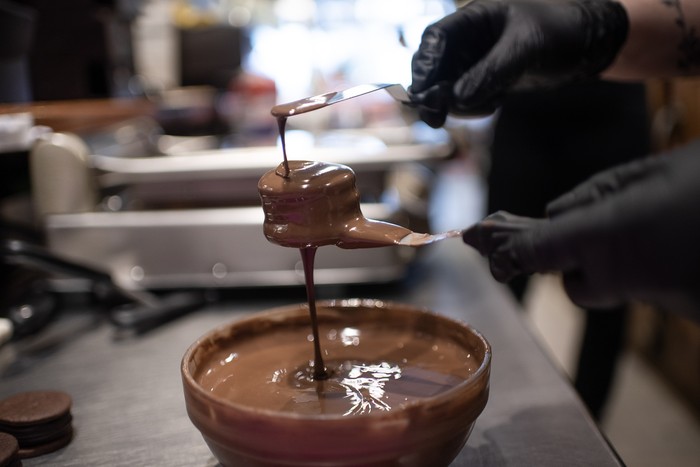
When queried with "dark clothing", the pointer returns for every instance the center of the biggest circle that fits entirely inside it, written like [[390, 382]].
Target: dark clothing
[[547, 142]]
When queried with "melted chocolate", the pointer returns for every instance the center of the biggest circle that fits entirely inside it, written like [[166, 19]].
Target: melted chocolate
[[311, 204], [318, 204], [303, 105], [307, 258], [308, 104], [281, 124], [372, 367]]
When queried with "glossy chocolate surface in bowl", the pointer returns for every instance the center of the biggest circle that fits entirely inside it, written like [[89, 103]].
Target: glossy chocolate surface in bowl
[[406, 387]]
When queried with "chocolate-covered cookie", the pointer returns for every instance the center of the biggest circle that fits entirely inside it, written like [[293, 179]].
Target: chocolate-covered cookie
[[40, 421], [9, 451]]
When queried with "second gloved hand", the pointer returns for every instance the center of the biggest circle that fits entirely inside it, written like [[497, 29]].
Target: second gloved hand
[[467, 60], [632, 232]]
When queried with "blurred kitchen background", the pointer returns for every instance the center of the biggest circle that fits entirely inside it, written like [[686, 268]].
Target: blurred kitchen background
[[133, 133]]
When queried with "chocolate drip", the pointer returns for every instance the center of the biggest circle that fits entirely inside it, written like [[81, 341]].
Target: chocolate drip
[[307, 258], [281, 124], [310, 204]]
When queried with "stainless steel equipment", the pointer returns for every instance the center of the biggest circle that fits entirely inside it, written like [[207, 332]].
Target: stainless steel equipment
[[194, 219]]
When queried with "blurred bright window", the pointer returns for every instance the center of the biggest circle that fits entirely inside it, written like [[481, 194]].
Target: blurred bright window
[[310, 46]]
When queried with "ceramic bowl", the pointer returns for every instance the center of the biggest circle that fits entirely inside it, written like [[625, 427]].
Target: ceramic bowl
[[430, 429]]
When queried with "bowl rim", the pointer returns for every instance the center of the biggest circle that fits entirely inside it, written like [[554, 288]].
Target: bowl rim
[[347, 303]]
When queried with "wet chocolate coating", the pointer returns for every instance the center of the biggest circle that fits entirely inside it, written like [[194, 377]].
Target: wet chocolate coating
[[303, 105], [311, 204], [308, 256], [318, 204], [272, 372], [428, 431], [373, 367]]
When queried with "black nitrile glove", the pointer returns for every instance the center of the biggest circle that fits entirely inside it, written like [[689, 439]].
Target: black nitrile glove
[[469, 59], [632, 232]]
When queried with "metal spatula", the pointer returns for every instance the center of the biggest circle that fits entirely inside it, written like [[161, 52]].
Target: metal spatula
[[308, 104]]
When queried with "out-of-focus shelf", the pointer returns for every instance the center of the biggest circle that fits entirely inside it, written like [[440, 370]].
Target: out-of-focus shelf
[[83, 114]]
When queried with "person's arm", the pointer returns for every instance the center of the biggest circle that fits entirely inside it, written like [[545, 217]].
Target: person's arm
[[470, 59], [630, 232], [663, 40]]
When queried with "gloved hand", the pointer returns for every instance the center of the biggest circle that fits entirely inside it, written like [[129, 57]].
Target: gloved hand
[[469, 59], [632, 232]]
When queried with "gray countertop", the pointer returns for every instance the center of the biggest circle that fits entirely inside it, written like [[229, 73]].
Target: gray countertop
[[128, 404]]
